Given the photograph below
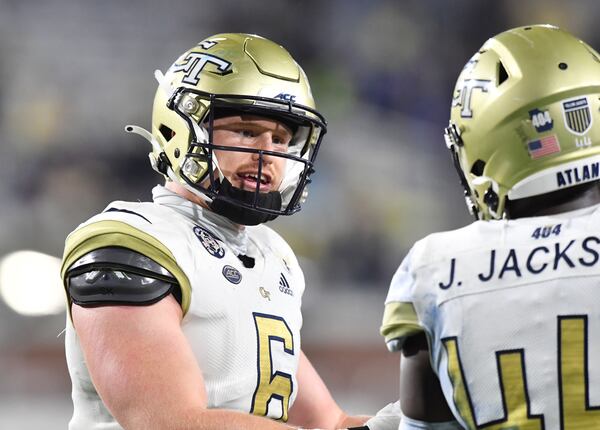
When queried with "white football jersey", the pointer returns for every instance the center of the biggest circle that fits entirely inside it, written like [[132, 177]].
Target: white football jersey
[[511, 310], [243, 324]]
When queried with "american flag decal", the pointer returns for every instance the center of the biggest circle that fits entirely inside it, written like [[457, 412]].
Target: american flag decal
[[544, 146], [578, 116]]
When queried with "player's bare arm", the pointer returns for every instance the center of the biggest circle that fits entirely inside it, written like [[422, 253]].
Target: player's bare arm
[[145, 372], [422, 397]]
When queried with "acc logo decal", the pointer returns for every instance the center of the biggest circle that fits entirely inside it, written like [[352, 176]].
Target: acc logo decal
[[286, 97], [232, 274], [209, 242], [578, 115], [193, 64], [541, 120]]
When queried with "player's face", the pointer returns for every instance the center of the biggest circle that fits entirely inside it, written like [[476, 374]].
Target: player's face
[[255, 132]]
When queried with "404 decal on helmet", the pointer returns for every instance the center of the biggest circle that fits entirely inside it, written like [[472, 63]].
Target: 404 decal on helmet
[[226, 75], [505, 134]]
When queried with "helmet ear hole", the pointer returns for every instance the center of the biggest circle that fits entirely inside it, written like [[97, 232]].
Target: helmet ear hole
[[502, 73], [166, 132], [477, 168]]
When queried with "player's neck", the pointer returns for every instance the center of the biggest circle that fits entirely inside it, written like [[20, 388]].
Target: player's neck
[[185, 193], [566, 200], [188, 195]]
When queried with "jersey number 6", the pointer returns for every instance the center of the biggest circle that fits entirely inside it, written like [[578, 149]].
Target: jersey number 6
[[271, 385]]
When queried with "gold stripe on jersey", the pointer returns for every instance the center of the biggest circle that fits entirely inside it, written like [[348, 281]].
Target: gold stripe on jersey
[[575, 411], [460, 395], [103, 234], [399, 321]]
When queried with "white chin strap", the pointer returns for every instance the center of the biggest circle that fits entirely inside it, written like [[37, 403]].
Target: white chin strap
[[290, 182]]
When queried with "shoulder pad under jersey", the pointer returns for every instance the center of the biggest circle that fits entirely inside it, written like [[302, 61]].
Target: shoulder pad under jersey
[[116, 275]]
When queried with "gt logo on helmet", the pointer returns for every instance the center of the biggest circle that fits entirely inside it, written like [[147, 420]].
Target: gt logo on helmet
[[463, 96], [195, 62]]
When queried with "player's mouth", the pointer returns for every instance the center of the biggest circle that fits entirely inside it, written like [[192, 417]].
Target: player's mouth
[[250, 179]]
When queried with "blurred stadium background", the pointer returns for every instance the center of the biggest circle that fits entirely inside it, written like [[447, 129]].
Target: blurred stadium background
[[73, 73]]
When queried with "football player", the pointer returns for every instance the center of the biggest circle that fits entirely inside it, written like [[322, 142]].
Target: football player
[[499, 322], [184, 312]]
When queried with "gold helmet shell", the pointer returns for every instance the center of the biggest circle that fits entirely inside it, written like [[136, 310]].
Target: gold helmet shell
[[524, 118], [235, 73]]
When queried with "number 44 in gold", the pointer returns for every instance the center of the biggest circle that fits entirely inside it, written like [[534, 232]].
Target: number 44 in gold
[[575, 411]]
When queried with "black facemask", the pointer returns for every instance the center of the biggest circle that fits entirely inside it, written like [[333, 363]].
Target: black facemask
[[242, 215]]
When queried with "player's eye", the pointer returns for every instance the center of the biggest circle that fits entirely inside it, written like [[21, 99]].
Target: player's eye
[[281, 139], [245, 133]]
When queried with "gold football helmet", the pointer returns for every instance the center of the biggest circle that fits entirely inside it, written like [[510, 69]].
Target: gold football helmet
[[523, 118], [233, 74]]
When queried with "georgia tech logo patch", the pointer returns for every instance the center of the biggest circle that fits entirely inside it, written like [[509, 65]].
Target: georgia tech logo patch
[[232, 274], [266, 294], [209, 242]]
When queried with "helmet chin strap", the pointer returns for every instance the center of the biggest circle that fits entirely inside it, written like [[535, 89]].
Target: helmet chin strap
[[222, 205]]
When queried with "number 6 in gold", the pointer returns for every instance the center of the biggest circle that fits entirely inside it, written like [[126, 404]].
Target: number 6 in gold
[[271, 384]]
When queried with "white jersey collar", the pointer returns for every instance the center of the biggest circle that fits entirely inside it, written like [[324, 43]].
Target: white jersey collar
[[223, 228]]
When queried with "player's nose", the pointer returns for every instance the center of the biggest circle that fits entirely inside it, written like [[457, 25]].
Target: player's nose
[[265, 142]]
